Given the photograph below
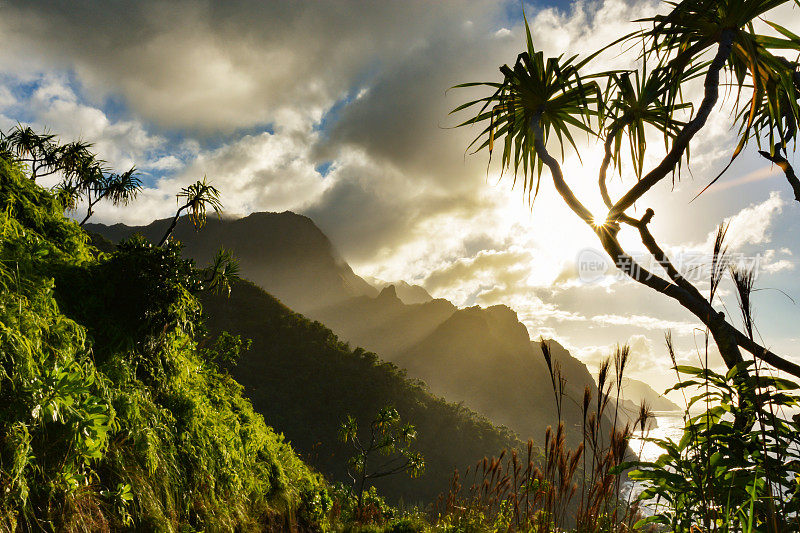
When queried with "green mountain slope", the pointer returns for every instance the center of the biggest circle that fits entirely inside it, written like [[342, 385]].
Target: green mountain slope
[[482, 357], [111, 415], [305, 381]]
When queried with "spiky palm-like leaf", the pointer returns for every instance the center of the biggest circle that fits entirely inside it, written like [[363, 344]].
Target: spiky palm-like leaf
[[121, 189], [36, 150], [73, 157], [198, 198], [224, 270], [681, 38], [27, 143], [549, 92], [635, 102]]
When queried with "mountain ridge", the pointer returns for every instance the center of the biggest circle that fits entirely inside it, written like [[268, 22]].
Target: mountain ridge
[[293, 258], [305, 381], [506, 378]]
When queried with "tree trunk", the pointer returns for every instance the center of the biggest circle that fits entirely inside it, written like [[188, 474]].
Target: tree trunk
[[171, 227], [360, 499]]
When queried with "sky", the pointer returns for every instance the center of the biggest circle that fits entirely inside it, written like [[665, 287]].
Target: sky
[[339, 110]]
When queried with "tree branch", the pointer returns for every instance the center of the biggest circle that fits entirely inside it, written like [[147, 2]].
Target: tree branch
[[726, 336], [90, 212], [395, 470], [660, 256], [764, 354], [172, 225], [784, 164], [558, 177], [681, 142], [601, 181]]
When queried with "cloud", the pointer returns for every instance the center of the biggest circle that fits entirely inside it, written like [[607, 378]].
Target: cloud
[[254, 172], [264, 172], [771, 264], [649, 359], [53, 104], [645, 322], [225, 65], [366, 93], [751, 225], [489, 262]]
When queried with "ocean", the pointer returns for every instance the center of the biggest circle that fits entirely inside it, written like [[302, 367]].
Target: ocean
[[670, 425]]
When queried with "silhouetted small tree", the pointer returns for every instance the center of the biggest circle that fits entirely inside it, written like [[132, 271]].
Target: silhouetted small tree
[[385, 452], [197, 198], [120, 189], [83, 175]]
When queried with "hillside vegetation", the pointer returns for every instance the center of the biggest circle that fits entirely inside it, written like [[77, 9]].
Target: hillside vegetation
[[111, 415], [482, 358], [305, 382]]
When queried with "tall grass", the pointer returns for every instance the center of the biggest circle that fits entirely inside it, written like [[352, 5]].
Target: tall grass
[[554, 488]]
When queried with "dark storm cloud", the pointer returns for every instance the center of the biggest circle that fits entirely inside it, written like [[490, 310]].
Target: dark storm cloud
[[226, 64]]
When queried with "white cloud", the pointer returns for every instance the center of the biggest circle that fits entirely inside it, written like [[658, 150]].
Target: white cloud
[[54, 106], [751, 225], [6, 98], [646, 322]]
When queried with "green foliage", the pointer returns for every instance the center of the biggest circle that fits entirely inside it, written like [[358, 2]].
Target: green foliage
[[111, 414], [388, 437], [305, 382], [84, 176], [737, 465], [226, 349], [636, 100]]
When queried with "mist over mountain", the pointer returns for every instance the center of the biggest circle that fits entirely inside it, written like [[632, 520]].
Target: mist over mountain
[[408, 293], [384, 324], [637, 391], [482, 357]]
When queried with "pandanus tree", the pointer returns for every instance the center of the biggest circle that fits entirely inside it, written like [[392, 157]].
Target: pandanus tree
[[38, 151], [84, 177], [540, 102], [195, 199], [96, 184]]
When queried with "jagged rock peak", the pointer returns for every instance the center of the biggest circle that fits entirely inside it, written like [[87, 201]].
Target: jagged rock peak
[[388, 292]]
